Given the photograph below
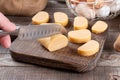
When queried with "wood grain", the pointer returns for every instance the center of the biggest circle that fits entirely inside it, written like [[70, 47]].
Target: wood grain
[[37, 73], [31, 51]]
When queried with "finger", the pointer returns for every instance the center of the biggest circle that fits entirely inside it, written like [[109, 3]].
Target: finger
[[5, 41], [5, 24]]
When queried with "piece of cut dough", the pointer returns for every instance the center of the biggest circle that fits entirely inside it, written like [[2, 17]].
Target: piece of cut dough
[[40, 17], [89, 48], [61, 17], [80, 23], [79, 36], [54, 42], [99, 27]]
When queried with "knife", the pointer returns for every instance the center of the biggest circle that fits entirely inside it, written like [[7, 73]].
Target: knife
[[36, 31]]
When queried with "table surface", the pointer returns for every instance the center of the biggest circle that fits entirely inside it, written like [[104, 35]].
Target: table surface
[[108, 66]]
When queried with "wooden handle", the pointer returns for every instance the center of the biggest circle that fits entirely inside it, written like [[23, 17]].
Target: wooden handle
[[117, 44]]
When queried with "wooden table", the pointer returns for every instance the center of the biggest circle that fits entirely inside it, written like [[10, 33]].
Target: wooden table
[[108, 67]]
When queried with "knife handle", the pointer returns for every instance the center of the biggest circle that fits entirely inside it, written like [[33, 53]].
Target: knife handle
[[15, 32]]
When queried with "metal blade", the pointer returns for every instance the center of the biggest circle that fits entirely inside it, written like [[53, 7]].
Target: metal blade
[[40, 31]]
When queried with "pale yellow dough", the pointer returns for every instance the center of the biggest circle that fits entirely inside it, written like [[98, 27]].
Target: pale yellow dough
[[79, 36], [88, 49], [54, 42], [40, 17], [61, 18], [80, 23], [99, 27]]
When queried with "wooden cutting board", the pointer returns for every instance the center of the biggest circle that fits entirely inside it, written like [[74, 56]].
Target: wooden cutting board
[[31, 51]]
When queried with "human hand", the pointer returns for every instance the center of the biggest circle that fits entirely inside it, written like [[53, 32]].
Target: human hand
[[6, 25]]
